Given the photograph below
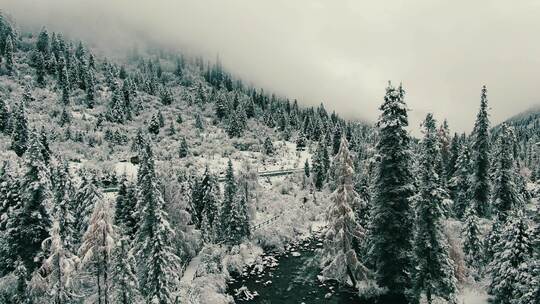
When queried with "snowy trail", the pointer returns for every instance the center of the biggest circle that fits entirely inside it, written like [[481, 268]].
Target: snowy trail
[[472, 296], [189, 272]]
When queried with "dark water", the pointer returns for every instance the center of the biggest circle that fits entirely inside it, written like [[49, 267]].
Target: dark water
[[292, 279]]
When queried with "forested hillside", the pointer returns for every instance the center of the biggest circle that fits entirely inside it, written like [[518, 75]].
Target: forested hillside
[[526, 127], [160, 178]]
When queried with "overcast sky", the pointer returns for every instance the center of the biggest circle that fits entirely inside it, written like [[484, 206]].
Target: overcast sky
[[338, 52]]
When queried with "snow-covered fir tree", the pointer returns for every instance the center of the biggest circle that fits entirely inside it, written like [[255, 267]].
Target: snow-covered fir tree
[[42, 42], [8, 55], [166, 96], [30, 222], [205, 204], [336, 141], [171, 130], [44, 139], [183, 149], [506, 196], [63, 205], [528, 280], [21, 294], [339, 259], [319, 166], [481, 186], [179, 118], [199, 124], [301, 142], [4, 116], [391, 214], [220, 106], [443, 133], [268, 147], [90, 90], [126, 202], [41, 71], [472, 245], [210, 211], [307, 170], [238, 226], [434, 269], [65, 117], [19, 127], [461, 180], [116, 110], [128, 95], [87, 196], [235, 125], [227, 222], [9, 200], [512, 251], [233, 218], [157, 263], [125, 285], [63, 80]]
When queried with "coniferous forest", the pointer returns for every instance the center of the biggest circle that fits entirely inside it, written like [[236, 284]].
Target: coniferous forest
[[158, 177]]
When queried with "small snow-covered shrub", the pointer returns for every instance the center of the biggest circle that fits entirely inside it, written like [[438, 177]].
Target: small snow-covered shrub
[[240, 256], [286, 187], [211, 257], [452, 231], [8, 285], [369, 289]]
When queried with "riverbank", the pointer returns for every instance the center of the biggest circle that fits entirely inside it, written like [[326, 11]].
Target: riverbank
[[291, 276]]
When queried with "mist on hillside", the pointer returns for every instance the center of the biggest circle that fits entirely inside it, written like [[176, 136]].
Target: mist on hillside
[[340, 53]]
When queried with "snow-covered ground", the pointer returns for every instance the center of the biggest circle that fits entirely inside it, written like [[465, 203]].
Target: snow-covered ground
[[473, 296]]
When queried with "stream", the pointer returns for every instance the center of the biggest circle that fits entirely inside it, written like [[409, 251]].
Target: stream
[[289, 277]]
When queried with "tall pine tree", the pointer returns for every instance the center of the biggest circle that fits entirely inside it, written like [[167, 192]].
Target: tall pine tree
[[125, 285], [4, 117], [392, 216], [512, 250], [472, 246], [63, 205], [434, 272], [126, 202], [158, 264], [481, 187], [31, 221], [87, 196], [319, 165], [460, 181], [19, 125], [8, 54], [506, 196]]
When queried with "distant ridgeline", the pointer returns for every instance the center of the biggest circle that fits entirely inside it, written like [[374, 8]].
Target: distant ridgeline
[[526, 128]]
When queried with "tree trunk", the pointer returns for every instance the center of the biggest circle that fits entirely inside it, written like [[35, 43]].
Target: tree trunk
[[99, 283], [351, 276], [105, 274], [59, 288]]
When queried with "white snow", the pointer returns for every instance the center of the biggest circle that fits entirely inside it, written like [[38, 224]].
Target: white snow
[[189, 272], [126, 168], [473, 296]]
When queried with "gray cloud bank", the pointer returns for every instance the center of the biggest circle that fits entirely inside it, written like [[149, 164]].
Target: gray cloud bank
[[338, 52]]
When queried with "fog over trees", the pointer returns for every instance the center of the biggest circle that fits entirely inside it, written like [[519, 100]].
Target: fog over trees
[[161, 177]]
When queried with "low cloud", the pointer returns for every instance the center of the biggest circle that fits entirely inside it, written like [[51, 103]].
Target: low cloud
[[340, 52]]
